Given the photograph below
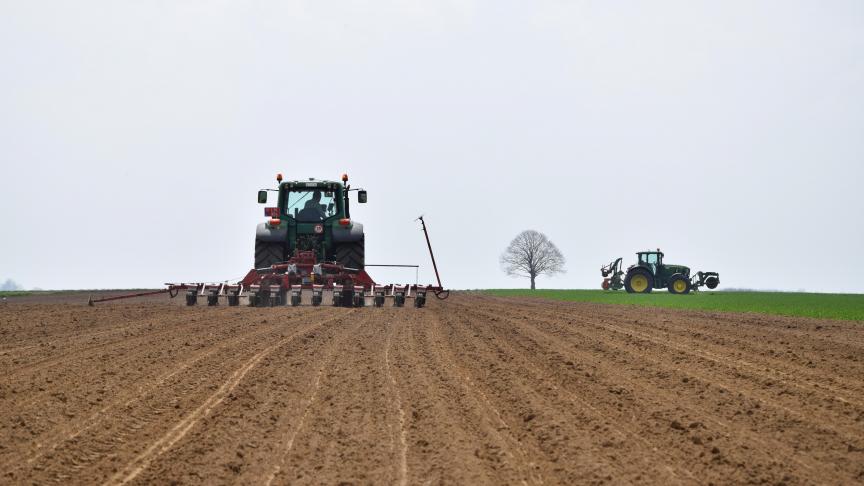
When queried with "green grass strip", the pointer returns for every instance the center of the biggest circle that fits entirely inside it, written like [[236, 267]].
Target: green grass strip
[[826, 306], [15, 293]]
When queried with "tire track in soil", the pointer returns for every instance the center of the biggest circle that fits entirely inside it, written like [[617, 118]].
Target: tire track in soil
[[181, 428], [847, 420], [816, 380], [289, 439], [42, 444], [794, 444], [452, 437], [814, 383], [617, 369], [530, 474], [74, 323], [314, 393], [125, 401], [93, 455], [559, 402], [397, 400], [146, 337], [715, 334], [57, 376], [244, 440], [351, 435]]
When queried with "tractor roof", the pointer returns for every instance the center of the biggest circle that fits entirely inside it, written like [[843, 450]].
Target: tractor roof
[[311, 183]]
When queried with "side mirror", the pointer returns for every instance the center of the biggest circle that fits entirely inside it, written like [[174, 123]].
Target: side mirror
[[361, 197], [262, 197]]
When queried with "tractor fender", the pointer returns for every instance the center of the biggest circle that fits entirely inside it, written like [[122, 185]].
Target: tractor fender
[[342, 234], [631, 268], [265, 232]]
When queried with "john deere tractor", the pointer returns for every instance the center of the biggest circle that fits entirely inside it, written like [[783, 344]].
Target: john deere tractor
[[650, 273], [311, 215]]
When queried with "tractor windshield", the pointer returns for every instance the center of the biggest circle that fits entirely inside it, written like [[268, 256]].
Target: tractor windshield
[[310, 206], [650, 259]]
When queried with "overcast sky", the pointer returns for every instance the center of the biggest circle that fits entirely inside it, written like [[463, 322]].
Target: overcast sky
[[730, 134]]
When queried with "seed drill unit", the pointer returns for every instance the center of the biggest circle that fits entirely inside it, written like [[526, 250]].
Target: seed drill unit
[[309, 245], [650, 272]]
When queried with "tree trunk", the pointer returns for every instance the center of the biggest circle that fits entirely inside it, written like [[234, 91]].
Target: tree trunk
[[532, 282]]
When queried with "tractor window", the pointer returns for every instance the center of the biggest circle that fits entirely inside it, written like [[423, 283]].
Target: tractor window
[[311, 206], [651, 260]]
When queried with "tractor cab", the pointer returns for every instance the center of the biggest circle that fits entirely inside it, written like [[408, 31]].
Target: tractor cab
[[650, 259]]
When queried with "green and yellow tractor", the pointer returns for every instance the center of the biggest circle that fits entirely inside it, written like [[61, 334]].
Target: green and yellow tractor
[[650, 273]]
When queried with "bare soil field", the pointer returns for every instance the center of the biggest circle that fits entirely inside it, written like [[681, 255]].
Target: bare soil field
[[472, 390]]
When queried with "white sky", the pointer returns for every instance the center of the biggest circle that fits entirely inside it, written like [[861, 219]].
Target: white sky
[[134, 135]]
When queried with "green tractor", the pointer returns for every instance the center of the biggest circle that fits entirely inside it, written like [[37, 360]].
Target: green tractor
[[650, 273], [310, 216]]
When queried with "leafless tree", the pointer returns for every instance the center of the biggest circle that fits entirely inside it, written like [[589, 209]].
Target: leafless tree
[[531, 254]]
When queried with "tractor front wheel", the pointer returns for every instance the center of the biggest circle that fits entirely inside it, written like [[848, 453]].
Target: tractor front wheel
[[679, 285], [639, 281]]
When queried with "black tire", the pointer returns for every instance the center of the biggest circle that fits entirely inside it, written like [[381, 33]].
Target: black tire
[[348, 297], [639, 272], [675, 281], [267, 253], [351, 255], [712, 282]]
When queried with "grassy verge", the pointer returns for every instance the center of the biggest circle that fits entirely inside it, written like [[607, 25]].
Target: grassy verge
[[829, 306], [15, 293]]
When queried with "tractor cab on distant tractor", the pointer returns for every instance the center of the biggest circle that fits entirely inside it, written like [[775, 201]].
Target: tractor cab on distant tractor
[[650, 273]]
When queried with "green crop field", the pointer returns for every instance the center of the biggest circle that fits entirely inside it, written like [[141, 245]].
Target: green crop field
[[14, 293], [830, 306]]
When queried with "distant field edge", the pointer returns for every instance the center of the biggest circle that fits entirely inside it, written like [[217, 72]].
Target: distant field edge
[[16, 293], [796, 304]]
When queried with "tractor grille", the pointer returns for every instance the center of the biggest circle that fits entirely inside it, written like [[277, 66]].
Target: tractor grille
[[309, 242]]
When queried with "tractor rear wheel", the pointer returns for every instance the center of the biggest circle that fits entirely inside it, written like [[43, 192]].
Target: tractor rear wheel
[[639, 281], [350, 254], [679, 285], [268, 253]]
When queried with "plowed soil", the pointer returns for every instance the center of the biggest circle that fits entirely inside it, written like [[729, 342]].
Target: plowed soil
[[472, 390]]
